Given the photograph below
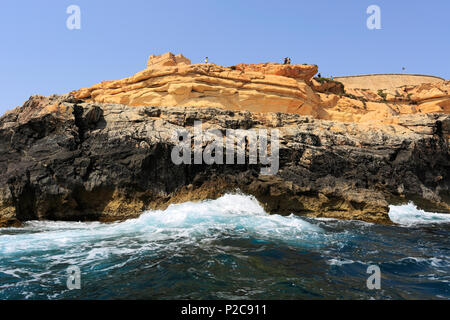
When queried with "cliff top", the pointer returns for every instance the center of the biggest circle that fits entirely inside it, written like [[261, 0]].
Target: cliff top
[[172, 81]]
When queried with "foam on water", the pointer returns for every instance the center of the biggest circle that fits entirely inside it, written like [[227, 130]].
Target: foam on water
[[410, 215], [41, 251], [189, 222]]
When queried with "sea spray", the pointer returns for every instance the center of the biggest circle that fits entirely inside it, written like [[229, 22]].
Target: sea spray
[[409, 215]]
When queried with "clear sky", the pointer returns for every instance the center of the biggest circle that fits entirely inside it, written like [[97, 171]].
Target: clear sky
[[40, 55]]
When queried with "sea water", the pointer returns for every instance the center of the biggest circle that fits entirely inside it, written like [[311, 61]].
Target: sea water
[[228, 248]]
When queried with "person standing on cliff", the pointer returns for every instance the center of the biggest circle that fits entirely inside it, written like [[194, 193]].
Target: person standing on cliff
[[206, 60], [286, 60]]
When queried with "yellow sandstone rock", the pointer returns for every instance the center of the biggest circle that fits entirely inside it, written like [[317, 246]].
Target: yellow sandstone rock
[[170, 81]]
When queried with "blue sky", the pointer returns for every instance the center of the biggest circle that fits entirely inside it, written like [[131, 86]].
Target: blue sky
[[39, 55]]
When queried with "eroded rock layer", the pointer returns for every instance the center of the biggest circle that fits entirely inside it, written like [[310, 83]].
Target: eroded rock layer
[[171, 80]]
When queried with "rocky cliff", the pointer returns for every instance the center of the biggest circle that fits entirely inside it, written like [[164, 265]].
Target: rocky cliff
[[104, 153]]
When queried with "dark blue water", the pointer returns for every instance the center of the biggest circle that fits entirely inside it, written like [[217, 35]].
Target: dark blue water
[[228, 249]]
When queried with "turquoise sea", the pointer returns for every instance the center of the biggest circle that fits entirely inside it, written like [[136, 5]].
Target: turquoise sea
[[228, 248]]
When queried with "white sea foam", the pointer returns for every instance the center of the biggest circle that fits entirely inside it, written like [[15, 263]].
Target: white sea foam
[[410, 215], [183, 223], [339, 262], [42, 247]]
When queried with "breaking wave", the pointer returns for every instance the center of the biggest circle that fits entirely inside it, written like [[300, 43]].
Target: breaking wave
[[228, 248], [410, 215]]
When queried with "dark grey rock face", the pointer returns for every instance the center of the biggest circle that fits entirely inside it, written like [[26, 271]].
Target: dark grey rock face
[[64, 159]]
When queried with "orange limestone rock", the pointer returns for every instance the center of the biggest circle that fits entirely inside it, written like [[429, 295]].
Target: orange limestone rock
[[171, 81], [303, 71], [167, 60]]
